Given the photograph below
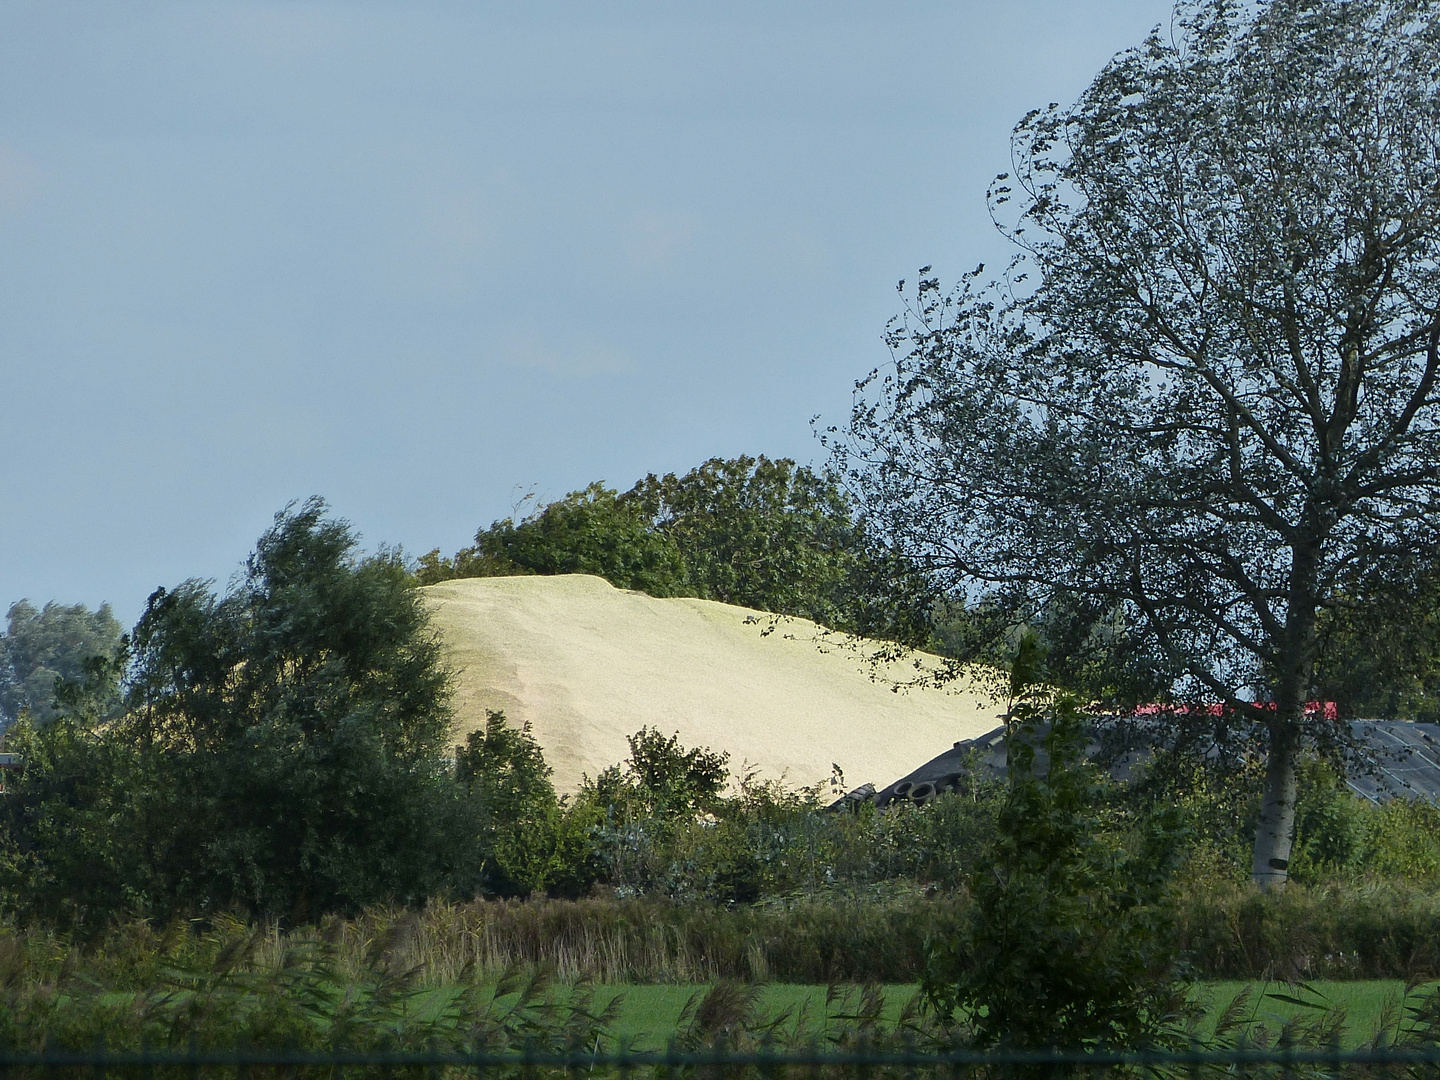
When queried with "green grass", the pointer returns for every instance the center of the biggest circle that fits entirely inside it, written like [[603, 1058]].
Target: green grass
[[649, 1014], [1365, 1001]]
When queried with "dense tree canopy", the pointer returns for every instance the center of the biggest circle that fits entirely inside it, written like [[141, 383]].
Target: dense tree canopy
[[45, 645], [763, 534], [595, 531], [1380, 643], [1205, 395], [284, 749]]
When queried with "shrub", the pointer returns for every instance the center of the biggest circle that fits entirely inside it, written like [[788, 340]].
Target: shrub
[[283, 751], [517, 816], [1070, 941]]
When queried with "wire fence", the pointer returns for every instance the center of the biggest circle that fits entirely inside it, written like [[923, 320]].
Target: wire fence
[[718, 1063]]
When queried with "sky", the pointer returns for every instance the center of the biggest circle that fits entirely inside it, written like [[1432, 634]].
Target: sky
[[422, 258]]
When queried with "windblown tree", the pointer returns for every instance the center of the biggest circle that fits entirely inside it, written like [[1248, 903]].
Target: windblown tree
[[764, 534], [284, 750], [41, 647], [1205, 392]]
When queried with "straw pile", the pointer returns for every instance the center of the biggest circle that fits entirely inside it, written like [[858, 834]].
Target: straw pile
[[587, 664]]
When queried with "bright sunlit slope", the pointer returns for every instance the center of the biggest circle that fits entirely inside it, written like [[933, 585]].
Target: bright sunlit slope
[[588, 664]]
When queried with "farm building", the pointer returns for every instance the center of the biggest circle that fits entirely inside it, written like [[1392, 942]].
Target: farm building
[[1388, 759]]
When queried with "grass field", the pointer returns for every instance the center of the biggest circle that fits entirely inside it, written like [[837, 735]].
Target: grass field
[[649, 1015], [1365, 1002]]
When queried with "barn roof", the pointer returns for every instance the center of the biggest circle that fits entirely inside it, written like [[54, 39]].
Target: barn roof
[[1391, 759]]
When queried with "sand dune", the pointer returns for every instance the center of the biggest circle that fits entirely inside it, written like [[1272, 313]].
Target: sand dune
[[588, 664]]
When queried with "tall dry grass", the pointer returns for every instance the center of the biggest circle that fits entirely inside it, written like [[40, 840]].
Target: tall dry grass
[[1369, 930], [858, 939], [1374, 930]]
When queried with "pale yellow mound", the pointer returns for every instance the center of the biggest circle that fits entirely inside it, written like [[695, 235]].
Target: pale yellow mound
[[588, 664]]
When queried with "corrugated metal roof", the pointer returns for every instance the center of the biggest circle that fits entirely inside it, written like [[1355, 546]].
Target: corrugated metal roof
[[1392, 759], [1399, 760]]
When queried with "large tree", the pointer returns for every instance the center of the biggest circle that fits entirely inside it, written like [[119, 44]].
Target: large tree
[[42, 646], [284, 750], [770, 535], [1206, 391]]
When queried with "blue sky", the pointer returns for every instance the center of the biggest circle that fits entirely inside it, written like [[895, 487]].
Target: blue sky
[[419, 258]]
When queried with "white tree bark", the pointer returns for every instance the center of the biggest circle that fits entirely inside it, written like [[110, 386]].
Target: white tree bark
[[1275, 833]]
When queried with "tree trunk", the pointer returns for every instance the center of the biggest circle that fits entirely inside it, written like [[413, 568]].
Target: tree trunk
[[1275, 833]]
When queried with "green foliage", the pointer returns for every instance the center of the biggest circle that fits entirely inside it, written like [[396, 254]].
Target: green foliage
[[1215, 800], [1368, 930], [283, 751], [764, 534], [1070, 942], [43, 648], [80, 836], [634, 811], [1087, 647], [503, 973], [594, 531], [636, 827], [661, 824], [768, 842], [1403, 842], [779, 537], [1340, 838], [1380, 644], [762, 842], [230, 985], [1210, 408], [1332, 826], [661, 778], [526, 839], [1094, 648]]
